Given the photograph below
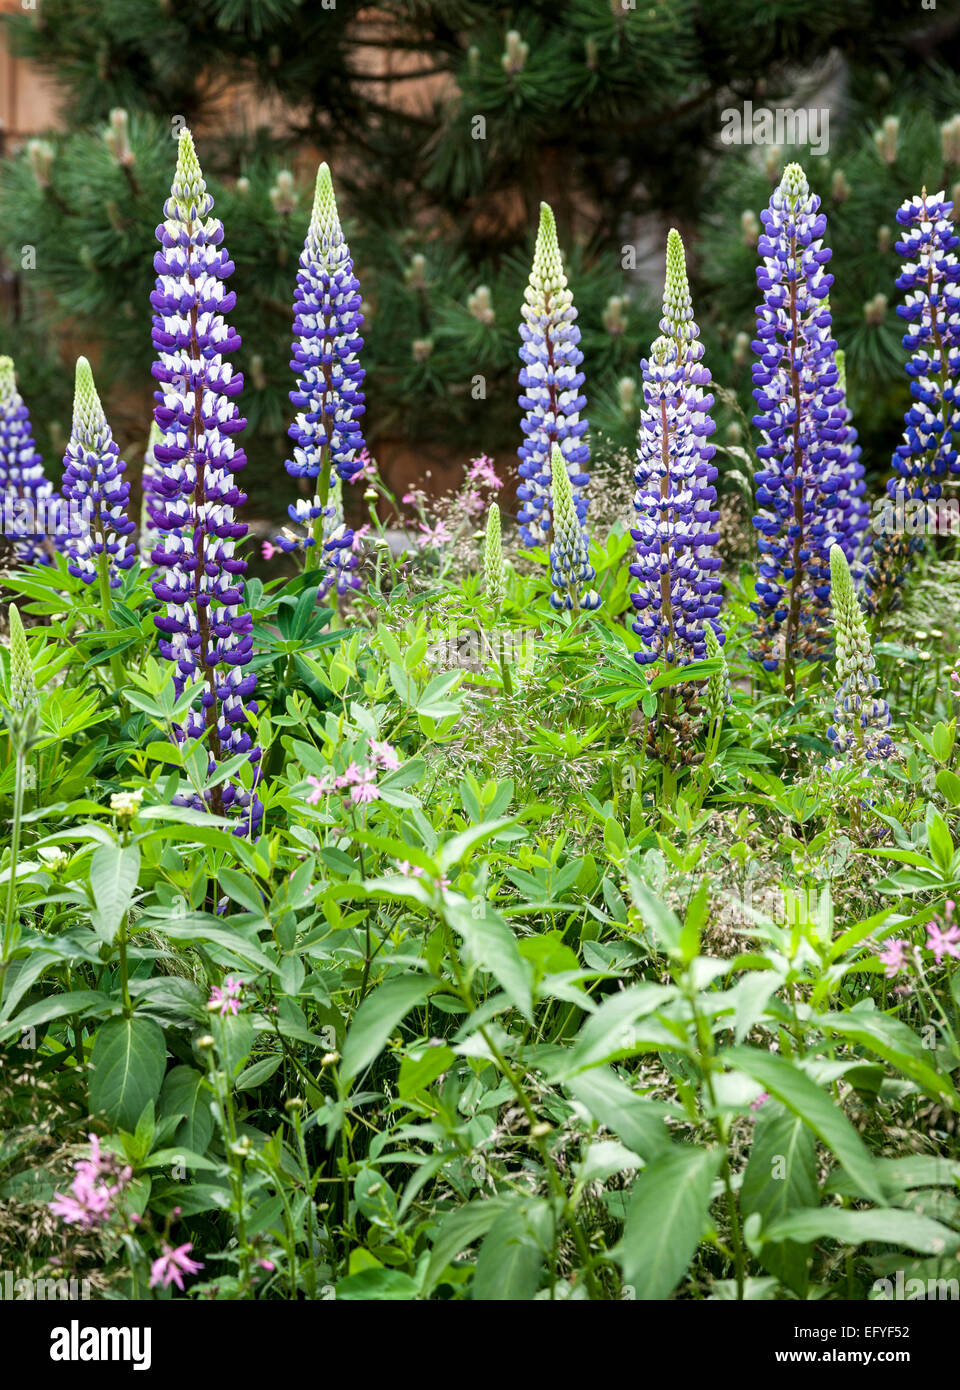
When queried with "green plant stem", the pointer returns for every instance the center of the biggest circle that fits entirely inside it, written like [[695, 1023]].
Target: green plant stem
[[8, 923]]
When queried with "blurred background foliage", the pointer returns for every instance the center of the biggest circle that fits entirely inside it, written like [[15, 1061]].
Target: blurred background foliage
[[445, 123]]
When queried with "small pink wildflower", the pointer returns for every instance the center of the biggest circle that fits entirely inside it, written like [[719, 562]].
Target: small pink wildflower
[[759, 1101], [99, 1182], [943, 941], [436, 535], [352, 774], [226, 999], [473, 502], [170, 1267], [384, 754], [482, 471], [268, 550], [365, 787], [358, 536], [895, 957], [409, 870], [369, 469], [320, 787]]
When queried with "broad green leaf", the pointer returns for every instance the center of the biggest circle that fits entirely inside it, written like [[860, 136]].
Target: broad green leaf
[[891, 1039], [183, 1093], [511, 1258], [633, 1118], [113, 881], [126, 1068], [667, 1213], [781, 1174], [376, 1019], [890, 1225], [791, 1086], [457, 1230]]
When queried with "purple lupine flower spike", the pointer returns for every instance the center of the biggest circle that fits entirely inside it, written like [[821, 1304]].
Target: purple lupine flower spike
[[193, 493], [802, 417], [27, 498], [327, 323], [93, 483], [849, 517], [931, 278], [550, 380], [679, 591]]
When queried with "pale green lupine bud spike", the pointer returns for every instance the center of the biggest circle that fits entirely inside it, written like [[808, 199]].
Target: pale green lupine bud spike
[[570, 568], [493, 569], [677, 304], [717, 695], [794, 186], [546, 275], [325, 219], [189, 189], [89, 420], [23, 690], [861, 716], [8, 381]]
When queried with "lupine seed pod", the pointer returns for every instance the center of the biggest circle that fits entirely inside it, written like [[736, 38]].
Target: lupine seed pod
[[679, 592], [550, 380], [931, 278], [199, 577], [327, 323], [570, 567], [93, 481], [861, 717], [26, 496], [493, 569]]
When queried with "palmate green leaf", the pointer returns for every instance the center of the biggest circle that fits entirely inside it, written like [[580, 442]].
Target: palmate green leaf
[[781, 1175], [126, 1068], [667, 1213], [792, 1086], [889, 1225], [376, 1019]]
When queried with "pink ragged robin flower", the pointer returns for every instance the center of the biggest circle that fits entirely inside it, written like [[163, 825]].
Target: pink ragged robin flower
[[895, 957], [268, 550], [319, 788], [365, 787], [170, 1267], [436, 535], [385, 755], [943, 939], [226, 1000], [482, 471]]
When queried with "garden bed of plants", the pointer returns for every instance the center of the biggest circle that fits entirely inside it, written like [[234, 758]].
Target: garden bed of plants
[[551, 899]]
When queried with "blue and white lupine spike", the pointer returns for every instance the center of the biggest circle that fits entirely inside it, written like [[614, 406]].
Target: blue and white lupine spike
[[326, 353], [338, 554], [550, 381], [861, 716], [928, 452], [94, 485], [679, 592], [149, 536], [27, 499], [199, 577], [570, 567], [801, 415]]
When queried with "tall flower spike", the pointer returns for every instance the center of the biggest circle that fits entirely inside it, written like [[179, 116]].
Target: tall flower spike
[[930, 277], [570, 568], [848, 519], [93, 481], [327, 323], [717, 695], [679, 594], [803, 421], [861, 717], [199, 577], [26, 496], [23, 690], [493, 571], [550, 380]]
